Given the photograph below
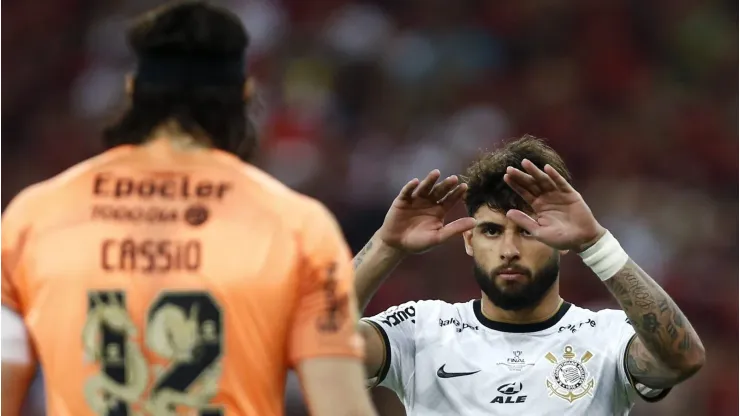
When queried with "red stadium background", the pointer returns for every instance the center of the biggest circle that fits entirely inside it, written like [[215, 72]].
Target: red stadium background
[[357, 97]]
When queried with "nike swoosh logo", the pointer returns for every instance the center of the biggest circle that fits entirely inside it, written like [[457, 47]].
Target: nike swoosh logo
[[441, 373]]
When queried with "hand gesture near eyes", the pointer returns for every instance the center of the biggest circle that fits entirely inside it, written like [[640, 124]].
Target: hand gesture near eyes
[[561, 218], [416, 220]]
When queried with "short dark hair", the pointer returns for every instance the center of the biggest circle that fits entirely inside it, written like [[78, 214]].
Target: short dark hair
[[485, 176], [188, 30]]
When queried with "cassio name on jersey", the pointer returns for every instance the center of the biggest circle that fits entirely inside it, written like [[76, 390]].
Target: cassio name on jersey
[[449, 359]]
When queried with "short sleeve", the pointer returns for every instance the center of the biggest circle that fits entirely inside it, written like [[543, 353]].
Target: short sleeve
[[325, 318], [397, 326], [15, 229], [624, 334]]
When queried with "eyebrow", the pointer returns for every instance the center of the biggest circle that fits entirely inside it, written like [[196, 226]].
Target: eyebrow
[[491, 224]]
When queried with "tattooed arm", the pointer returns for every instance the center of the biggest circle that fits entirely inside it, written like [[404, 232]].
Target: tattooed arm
[[666, 350], [372, 265], [414, 224]]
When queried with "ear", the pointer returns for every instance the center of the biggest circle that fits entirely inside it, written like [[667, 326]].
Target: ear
[[249, 87], [467, 237], [129, 84]]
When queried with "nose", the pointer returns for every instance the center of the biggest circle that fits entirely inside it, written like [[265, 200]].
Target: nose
[[509, 248]]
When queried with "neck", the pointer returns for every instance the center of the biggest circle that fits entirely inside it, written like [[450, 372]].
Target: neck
[[171, 134], [544, 310]]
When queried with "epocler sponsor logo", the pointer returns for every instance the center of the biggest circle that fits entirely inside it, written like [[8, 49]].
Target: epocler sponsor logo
[[169, 187]]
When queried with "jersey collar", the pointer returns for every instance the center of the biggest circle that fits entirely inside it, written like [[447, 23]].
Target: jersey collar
[[520, 328]]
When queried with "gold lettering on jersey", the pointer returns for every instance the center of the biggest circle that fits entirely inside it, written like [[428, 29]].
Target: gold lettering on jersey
[[176, 336], [570, 380], [101, 391], [183, 328], [166, 187]]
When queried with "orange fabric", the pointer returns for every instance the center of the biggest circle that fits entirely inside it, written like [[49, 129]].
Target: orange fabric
[[153, 279]]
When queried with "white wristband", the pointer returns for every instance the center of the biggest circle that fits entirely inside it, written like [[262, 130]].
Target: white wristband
[[606, 257]]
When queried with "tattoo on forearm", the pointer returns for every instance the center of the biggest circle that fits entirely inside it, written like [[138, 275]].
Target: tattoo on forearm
[[666, 342], [663, 306], [639, 293], [360, 257], [650, 322]]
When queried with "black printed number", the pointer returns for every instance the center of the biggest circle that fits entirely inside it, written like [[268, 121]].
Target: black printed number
[[184, 329]]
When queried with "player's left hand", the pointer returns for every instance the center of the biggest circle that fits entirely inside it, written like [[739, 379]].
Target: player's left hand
[[561, 219]]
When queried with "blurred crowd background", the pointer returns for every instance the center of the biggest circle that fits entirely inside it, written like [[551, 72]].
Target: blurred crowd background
[[358, 97]]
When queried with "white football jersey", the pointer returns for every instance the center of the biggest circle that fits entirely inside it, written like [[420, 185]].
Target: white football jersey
[[449, 359]]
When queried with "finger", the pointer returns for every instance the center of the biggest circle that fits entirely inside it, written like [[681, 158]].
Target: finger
[[527, 196], [456, 227], [441, 189], [559, 180], [543, 180], [524, 180], [524, 221], [453, 197], [408, 189], [426, 184]]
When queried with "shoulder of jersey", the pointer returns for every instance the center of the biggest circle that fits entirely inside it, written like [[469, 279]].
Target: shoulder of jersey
[[435, 316], [278, 195], [79, 170], [606, 317], [264, 182], [34, 196], [291, 207], [433, 308], [604, 313]]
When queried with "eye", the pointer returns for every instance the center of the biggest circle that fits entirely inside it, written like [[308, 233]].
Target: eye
[[525, 233], [491, 231]]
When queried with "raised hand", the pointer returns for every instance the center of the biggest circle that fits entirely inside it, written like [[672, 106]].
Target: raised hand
[[415, 221], [561, 218]]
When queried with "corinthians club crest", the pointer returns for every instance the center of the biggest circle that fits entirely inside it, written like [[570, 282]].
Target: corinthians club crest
[[569, 379]]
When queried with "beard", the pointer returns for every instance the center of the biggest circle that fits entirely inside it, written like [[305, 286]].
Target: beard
[[518, 296]]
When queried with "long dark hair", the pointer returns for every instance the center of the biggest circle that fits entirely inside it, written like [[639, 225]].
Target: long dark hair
[[188, 33]]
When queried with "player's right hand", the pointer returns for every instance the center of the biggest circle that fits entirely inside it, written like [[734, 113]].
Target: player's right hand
[[415, 221]]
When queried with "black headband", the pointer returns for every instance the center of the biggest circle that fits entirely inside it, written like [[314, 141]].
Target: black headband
[[190, 70]]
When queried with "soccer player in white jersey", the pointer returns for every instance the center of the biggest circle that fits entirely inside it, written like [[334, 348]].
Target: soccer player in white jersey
[[520, 349]]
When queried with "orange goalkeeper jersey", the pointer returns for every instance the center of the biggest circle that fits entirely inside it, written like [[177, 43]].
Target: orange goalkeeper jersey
[[155, 281]]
